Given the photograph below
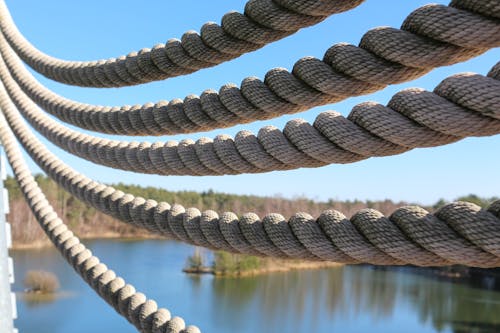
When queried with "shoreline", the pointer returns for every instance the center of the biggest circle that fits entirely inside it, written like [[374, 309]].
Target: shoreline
[[46, 243]]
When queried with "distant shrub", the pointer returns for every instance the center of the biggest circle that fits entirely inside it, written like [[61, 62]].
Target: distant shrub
[[248, 263], [481, 202], [229, 263], [225, 263], [196, 261], [41, 281]]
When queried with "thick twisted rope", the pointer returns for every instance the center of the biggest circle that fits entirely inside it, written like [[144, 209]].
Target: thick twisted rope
[[263, 22], [462, 105], [459, 233], [431, 36], [143, 313]]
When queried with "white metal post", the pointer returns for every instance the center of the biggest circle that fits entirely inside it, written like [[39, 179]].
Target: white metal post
[[7, 298]]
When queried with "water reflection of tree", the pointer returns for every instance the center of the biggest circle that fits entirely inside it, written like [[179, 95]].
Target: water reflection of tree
[[33, 300], [347, 292], [338, 292], [459, 307]]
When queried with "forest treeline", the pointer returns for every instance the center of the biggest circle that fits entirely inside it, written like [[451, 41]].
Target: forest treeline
[[87, 222]]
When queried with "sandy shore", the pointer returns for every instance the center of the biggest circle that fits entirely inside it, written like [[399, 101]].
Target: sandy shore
[[39, 244]]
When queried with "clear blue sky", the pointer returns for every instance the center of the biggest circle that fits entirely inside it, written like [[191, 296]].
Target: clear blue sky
[[95, 29]]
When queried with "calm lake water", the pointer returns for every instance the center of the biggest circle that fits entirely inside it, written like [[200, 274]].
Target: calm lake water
[[344, 299]]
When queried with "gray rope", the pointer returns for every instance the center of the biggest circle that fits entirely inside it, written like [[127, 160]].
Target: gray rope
[[263, 22], [462, 105], [143, 313], [385, 56], [459, 233]]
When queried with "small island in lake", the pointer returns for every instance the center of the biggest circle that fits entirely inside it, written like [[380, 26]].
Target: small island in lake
[[226, 264]]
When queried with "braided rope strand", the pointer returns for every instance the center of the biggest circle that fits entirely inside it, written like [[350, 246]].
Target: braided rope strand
[[462, 105], [263, 22]]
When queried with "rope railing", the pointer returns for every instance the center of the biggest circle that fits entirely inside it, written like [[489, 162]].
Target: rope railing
[[461, 106], [263, 22], [385, 56], [459, 233], [143, 313]]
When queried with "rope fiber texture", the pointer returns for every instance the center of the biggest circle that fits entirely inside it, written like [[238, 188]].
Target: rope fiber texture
[[263, 22], [459, 233], [462, 105], [431, 36], [143, 313]]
